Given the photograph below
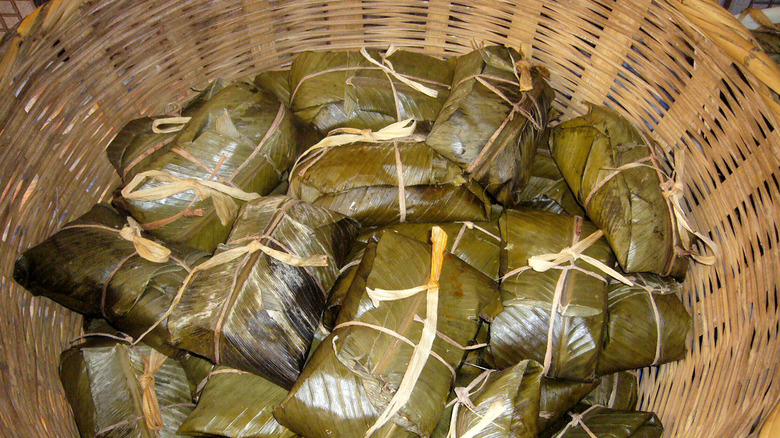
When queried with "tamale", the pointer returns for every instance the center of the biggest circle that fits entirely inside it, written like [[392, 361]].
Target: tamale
[[234, 149], [365, 378], [236, 404], [388, 182], [255, 305], [546, 189], [138, 144], [555, 271], [647, 325], [599, 421], [277, 82], [615, 391], [612, 168], [494, 119], [558, 397], [117, 390], [476, 243], [140, 291], [505, 404], [368, 89], [74, 265]]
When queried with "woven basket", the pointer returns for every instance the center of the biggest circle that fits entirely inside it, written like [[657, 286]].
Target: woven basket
[[77, 71]]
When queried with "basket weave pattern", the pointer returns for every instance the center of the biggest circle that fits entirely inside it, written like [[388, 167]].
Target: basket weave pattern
[[79, 71]]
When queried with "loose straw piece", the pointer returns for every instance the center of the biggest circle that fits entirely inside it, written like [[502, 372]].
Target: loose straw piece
[[227, 257], [221, 194], [177, 124], [387, 67], [342, 136], [423, 349], [544, 262], [149, 404]]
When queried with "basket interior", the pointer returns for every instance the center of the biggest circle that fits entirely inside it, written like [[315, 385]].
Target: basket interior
[[78, 78]]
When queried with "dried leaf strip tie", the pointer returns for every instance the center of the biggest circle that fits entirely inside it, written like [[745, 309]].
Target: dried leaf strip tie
[[577, 420], [545, 262], [470, 226], [463, 397], [221, 194], [639, 282], [174, 124]]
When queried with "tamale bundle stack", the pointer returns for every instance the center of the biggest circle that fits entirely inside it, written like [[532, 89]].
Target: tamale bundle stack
[[615, 391], [612, 168], [648, 325], [546, 189], [235, 148], [500, 404], [255, 305], [554, 291], [117, 390], [236, 404], [384, 177], [494, 119], [387, 367], [598, 421], [368, 89], [75, 265]]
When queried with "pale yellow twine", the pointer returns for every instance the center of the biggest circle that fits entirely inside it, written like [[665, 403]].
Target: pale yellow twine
[[149, 403], [222, 195]]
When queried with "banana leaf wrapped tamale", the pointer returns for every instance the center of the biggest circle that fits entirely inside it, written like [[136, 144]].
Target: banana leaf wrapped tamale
[[235, 148], [500, 404], [141, 141], [647, 325], [387, 367], [558, 397], [387, 177], [476, 243], [277, 82], [615, 391], [255, 305], [74, 266], [546, 189], [117, 390], [236, 404], [554, 290], [368, 89], [612, 168], [601, 422], [140, 291], [494, 119]]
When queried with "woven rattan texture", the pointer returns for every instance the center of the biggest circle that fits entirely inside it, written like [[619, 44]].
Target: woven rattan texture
[[81, 71]]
